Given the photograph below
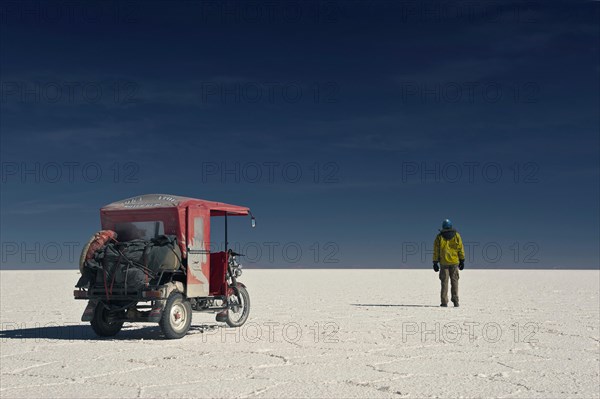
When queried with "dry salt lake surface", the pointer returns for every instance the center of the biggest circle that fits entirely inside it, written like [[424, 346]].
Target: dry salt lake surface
[[319, 333]]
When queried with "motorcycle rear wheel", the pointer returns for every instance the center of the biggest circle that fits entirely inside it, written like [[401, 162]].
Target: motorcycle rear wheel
[[176, 316], [100, 324]]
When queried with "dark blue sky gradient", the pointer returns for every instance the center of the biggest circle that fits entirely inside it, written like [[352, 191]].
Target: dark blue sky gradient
[[361, 97]]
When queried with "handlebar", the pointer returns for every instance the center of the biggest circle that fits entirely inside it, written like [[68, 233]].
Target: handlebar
[[234, 253]]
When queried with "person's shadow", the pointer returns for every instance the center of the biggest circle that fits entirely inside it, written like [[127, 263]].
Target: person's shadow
[[83, 332], [385, 305]]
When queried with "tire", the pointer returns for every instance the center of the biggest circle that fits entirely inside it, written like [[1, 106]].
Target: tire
[[176, 316], [101, 326], [235, 318], [84, 252]]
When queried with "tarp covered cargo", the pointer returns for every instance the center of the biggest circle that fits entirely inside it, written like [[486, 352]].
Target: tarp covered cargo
[[131, 263]]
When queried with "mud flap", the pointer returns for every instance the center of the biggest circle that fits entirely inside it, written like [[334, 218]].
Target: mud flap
[[88, 313], [234, 290], [157, 308], [156, 312]]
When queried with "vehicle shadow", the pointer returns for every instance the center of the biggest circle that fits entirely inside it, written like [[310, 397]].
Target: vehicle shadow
[[85, 332], [393, 305]]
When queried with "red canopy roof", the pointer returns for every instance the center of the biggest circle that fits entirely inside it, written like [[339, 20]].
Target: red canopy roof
[[156, 201]]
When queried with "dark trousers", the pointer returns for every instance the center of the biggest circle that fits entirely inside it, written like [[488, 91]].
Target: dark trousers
[[449, 273]]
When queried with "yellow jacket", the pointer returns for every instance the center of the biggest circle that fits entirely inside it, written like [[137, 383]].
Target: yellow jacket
[[448, 248]]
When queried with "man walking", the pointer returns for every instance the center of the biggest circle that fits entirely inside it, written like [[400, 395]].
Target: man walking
[[448, 259]]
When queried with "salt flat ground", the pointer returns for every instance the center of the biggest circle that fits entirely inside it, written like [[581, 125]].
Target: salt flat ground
[[319, 333]]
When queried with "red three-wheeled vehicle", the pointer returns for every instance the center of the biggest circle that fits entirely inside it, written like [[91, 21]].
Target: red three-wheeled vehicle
[[152, 262]]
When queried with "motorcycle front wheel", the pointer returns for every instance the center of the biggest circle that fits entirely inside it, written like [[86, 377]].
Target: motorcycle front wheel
[[238, 312]]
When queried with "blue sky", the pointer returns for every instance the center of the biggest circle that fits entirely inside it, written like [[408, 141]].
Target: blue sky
[[352, 129]]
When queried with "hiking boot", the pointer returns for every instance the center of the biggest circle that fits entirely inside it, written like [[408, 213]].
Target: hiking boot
[[455, 304], [444, 305]]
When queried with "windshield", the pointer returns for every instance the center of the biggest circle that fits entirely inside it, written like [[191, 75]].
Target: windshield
[[139, 230]]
